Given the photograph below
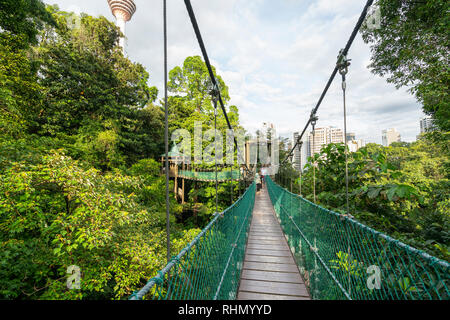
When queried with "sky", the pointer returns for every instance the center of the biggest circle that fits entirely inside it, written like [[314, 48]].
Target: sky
[[275, 57]]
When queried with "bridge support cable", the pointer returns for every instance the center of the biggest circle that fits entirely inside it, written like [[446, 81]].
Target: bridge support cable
[[313, 124], [215, 96], [343, 64], [300, 146], [166, 130], [344, 52], [209, 267], [210, 71], [231, 183], [380, 268]]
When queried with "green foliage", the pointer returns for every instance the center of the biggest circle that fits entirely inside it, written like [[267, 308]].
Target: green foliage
[[191, 101], [98, 202], [19, 90], [94, 96], [411, 48], [401, 190], [58, 213], [24, 17]]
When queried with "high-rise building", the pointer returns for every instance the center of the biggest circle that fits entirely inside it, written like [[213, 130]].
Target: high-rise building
[[426, 125], [324, 136], [122, 10], [336, 135], [389, 136]]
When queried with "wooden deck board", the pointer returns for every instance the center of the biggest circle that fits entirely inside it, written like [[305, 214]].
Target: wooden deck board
[[269, 271], [267, 259], [243, 295], [271, 287], [271, 276]]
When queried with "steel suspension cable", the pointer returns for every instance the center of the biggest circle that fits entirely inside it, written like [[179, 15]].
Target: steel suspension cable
[[300, 172], [343, 65], [208, 65], [166, 131], [215, 152], [231, 182], [314, 162], [333, 74], [239, 181]]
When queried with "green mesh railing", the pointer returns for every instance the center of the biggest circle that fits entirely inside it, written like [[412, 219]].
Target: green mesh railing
[[340, 258], [210, 175], [209, 268]]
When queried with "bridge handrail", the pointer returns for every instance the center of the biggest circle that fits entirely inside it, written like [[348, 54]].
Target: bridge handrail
[[248, 196], [416, 274], [209, 175], [425, 255]]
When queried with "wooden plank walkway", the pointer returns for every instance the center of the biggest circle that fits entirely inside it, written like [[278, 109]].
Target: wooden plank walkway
[[269, 272]]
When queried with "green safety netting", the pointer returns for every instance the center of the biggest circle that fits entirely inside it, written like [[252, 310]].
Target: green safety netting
[[210, 175], [209, 268], [340, 258]]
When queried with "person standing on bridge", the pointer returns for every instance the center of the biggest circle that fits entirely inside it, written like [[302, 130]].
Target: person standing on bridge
[[258, 182], [263, 178]]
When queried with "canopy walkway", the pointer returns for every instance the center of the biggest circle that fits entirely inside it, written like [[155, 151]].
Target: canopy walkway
[[335, 257], [243, 252], [270, 272], [210, 176]]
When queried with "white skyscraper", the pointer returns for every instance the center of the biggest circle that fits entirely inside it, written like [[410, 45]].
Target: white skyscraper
[[389, 136], [122, 10], [426, 125], [324, 136]]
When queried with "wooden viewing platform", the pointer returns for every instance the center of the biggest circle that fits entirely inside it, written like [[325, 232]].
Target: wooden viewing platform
[[270, 271]]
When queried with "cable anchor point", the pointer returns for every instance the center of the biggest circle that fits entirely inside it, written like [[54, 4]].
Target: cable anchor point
[[343, 63], [215, 93], [313, 118]]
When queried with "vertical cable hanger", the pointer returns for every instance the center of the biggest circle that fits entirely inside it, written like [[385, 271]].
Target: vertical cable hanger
[[215, 97], [166, 131], [300, 145], [231, 183], [313, 121], [342, 64]]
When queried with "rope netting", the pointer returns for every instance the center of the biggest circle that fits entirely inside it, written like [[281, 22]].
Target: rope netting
[[209, 268], [210, 175], [340, 258]]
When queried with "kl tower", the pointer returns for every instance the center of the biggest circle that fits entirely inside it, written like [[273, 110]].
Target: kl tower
[[122, 10]]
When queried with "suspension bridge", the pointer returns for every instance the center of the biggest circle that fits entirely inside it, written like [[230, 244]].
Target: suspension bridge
[[277, 245], [273, 244]]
